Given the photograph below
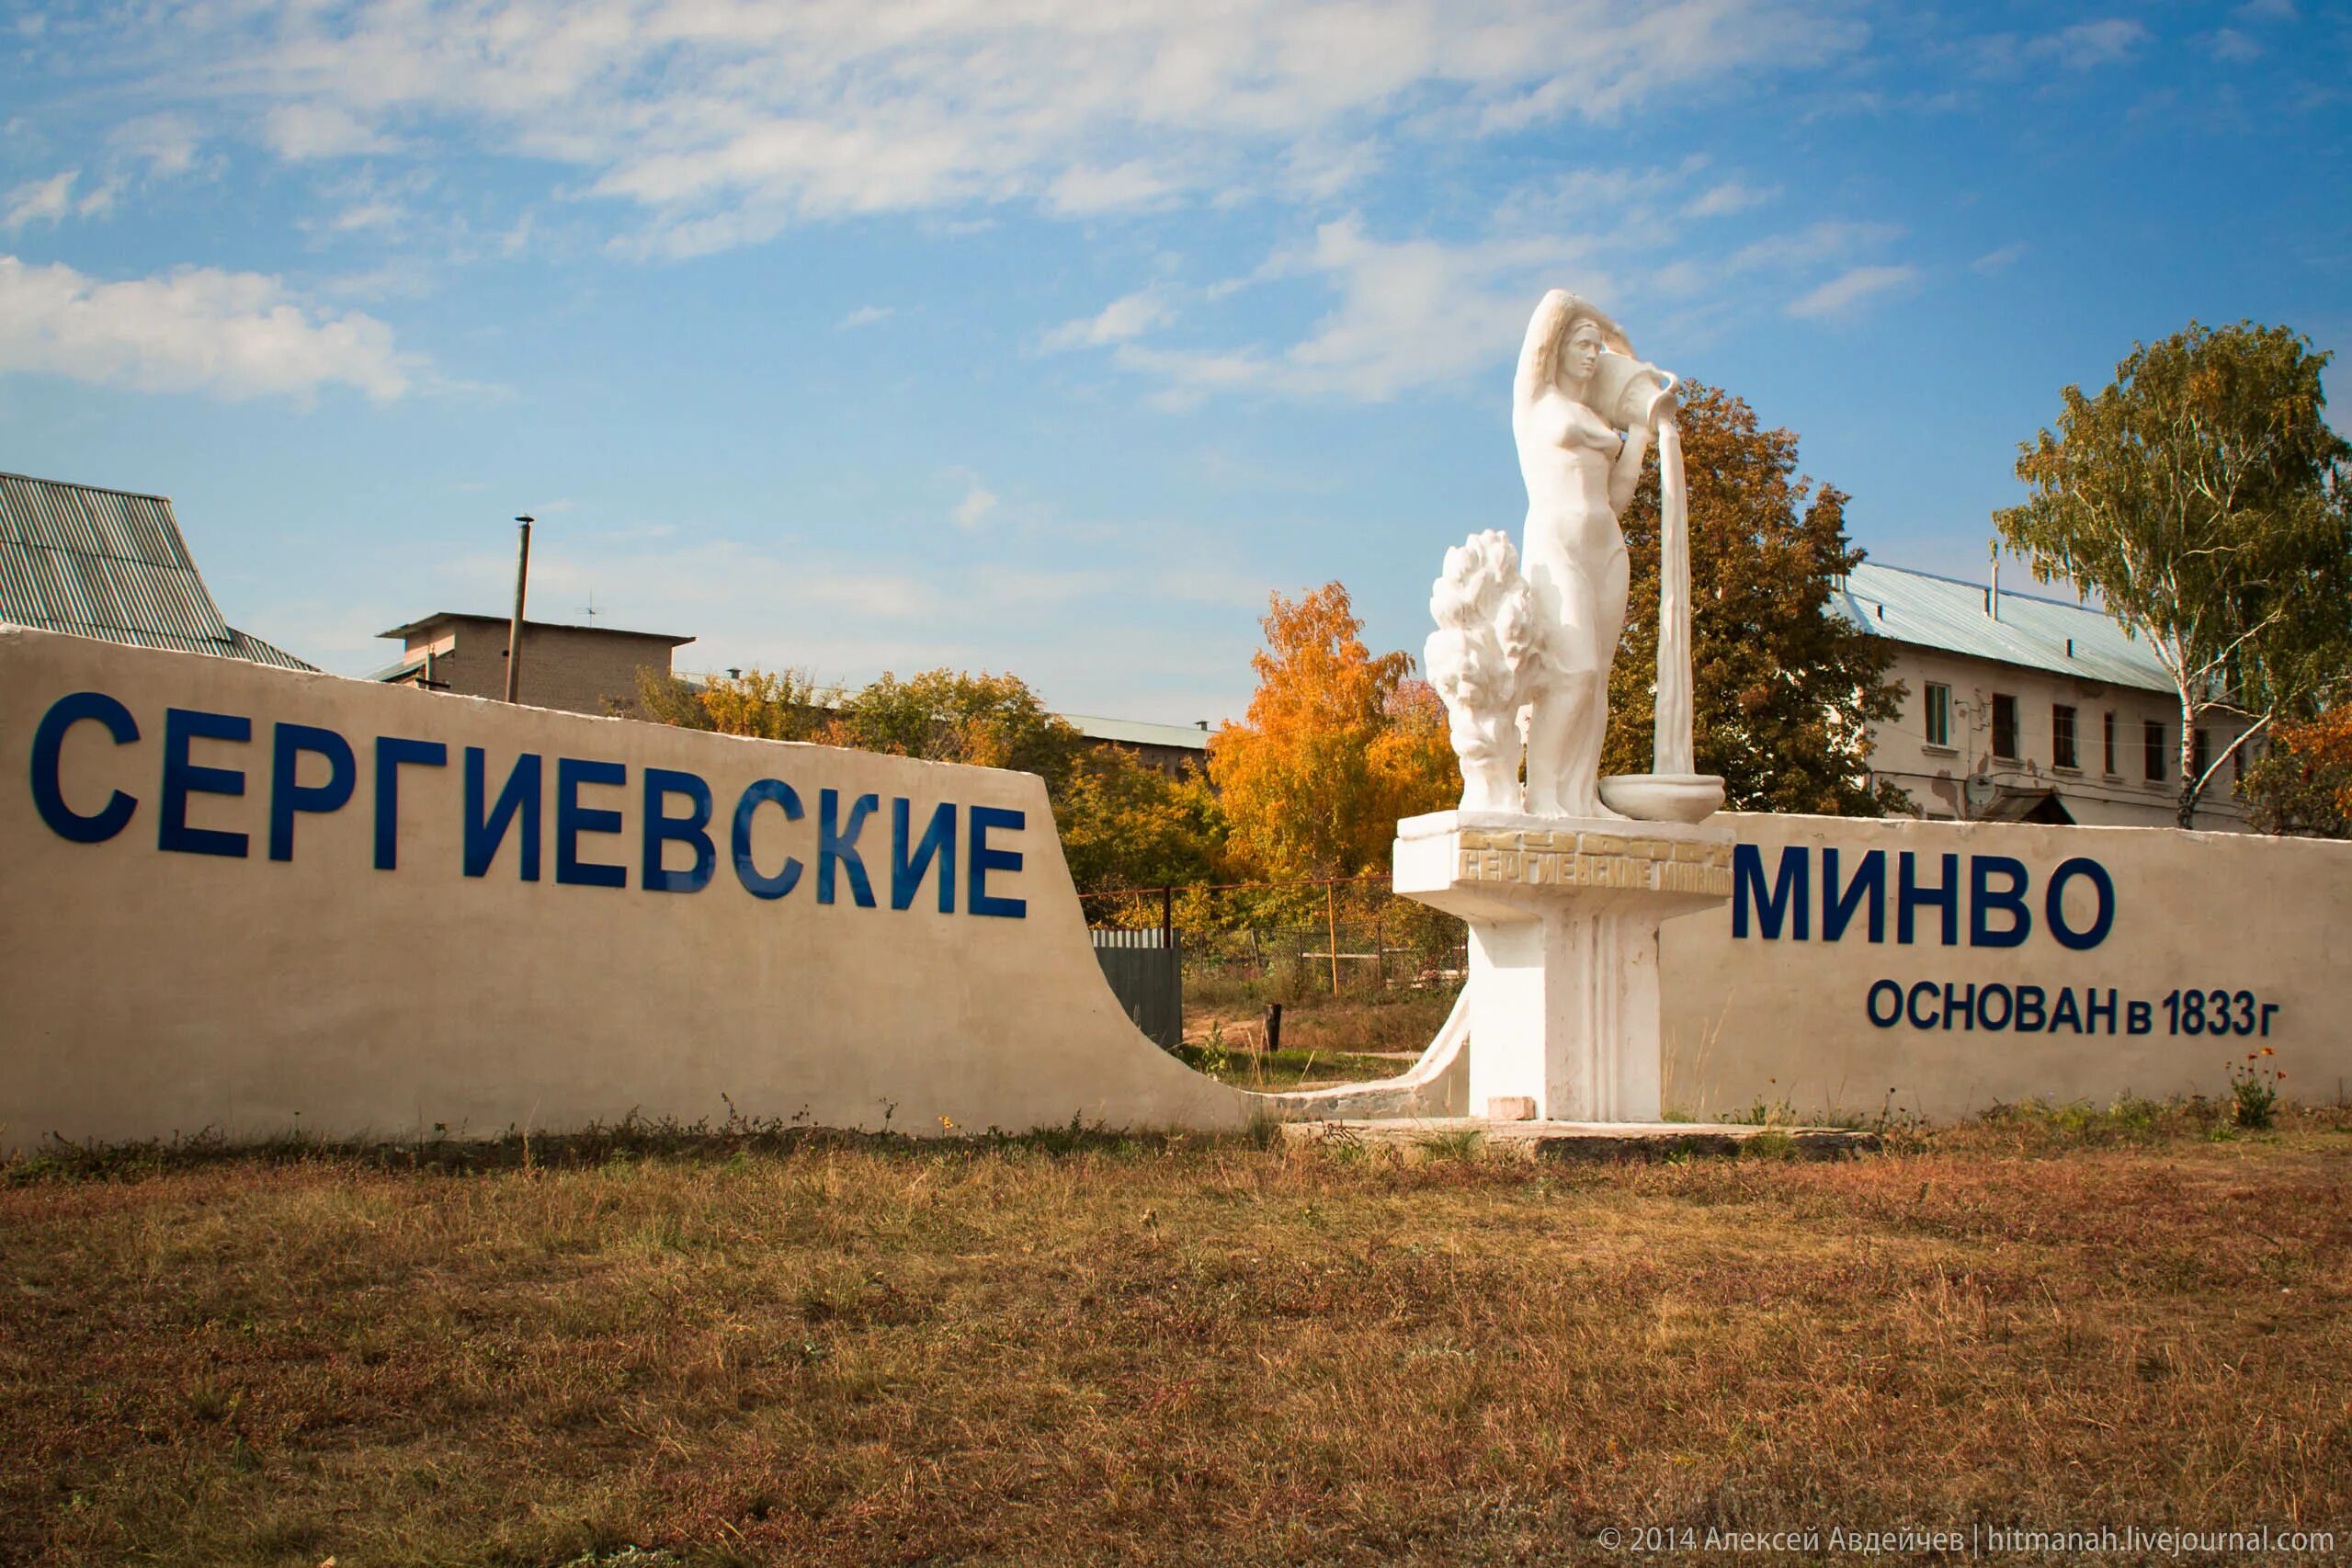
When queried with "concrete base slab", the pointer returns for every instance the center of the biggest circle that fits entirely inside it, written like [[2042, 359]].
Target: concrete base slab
[[1454, 1136]]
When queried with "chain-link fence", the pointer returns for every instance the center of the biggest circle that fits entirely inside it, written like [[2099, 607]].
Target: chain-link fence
[[1348, 937]]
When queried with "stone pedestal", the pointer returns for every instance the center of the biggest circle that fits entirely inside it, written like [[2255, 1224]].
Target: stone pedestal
[[1563, 917]]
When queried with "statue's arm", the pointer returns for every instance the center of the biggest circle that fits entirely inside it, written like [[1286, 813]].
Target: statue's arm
[[1626, 476], [1540, 352]]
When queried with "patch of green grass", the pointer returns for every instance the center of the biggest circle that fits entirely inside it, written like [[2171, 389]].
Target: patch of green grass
[[1464, 1143], [1287, 1069]]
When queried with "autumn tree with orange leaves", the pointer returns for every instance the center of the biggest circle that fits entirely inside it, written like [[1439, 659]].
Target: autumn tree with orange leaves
[[1337, 746], [2302, 784]]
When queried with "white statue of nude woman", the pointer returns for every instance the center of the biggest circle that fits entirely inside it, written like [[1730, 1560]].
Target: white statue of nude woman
[[1580, 475]]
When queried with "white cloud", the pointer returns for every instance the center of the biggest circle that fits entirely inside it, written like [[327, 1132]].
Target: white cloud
[[2230, 45], [1730, 197], [99, 200], [401, 279], [2089, 44], [1407, 313], [300, 131], [365, 215], [865, 316], [1132, 184], [236, 335], [167, 144], [51, 201], [724, 121], [1843, 293], [45, 200], [978, 502], [1994, 261], [1130, 316], [1424, 312], [1829, 240]]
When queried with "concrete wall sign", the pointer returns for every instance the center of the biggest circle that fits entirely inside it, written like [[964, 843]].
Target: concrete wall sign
[[1954, 965], [253, 900]]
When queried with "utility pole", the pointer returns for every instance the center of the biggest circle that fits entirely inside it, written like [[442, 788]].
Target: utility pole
[[515, 627]]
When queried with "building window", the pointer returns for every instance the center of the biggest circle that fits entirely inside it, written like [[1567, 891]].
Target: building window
[[2062, 736], [2005, 725], [1939, 714], [2201, 751], [2108, 736], [2155, 745]]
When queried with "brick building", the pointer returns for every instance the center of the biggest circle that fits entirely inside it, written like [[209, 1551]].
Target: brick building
[[579, 669]]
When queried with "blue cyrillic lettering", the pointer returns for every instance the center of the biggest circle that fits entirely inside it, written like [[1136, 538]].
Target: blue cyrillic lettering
[[49, 747], [981, 858], [755, 883], [1910, 895], [1838, 907], [520, 796], [1982, 901], [838, 846], [938, 843], [1787, 902], [573, 819], [661, 831], [393, 752], [288, 796], [2054, 905], [183, 778]]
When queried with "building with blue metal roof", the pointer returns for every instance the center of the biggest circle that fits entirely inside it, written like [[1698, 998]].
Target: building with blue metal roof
[[2023, 708]]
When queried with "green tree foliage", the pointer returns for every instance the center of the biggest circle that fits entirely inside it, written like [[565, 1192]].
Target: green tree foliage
[[1784, 692], [2302, 784], [2204, 498], [990, 720], [1123, 823], [784, 705], [1126, 824], [1336, 747]]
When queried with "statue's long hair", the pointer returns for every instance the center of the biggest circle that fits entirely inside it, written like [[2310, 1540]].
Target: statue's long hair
[[1583, 310]]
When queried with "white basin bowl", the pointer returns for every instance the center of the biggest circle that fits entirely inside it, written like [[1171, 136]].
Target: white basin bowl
[[1663, 797]]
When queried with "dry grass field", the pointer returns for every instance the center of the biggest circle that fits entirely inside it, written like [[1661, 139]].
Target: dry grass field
[[637, 1350]]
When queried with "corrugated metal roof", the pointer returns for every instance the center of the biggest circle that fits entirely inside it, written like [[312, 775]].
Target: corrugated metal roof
[[1139, 732], [111, 564], [1928, 611]]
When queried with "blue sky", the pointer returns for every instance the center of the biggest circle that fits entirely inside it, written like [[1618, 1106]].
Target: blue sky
[[1050, 336]]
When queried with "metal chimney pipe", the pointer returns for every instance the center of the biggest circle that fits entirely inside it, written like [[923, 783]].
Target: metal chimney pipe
[[515, 627]]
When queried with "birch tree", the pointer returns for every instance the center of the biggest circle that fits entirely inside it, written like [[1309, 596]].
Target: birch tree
[[2204, 498]]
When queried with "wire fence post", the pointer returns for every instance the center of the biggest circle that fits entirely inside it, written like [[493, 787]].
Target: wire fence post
[[1330, 926]]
